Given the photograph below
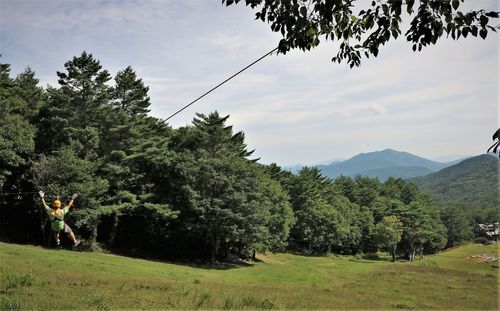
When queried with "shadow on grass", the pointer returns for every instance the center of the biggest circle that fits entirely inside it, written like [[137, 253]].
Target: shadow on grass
[[232, 263], [306, 254], [369, 260]]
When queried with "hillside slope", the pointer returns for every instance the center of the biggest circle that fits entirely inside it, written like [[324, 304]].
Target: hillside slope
[[471, 182], [37, 278]]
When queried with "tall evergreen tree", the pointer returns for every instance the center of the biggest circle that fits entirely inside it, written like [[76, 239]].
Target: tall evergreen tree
[[217, 138], [319, 223], [74, 112], [130, 94], [19, 99], [85, 85], [457, 225], [16, 133]]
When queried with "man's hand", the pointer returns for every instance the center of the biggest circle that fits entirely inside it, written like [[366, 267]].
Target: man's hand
[[42, 194], [74, 196]]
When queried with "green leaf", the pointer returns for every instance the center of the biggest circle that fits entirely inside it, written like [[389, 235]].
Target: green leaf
[[409, 6], [492, 14], [455, 4], [465, 32], [474, 31], [483, 33], [483, 20], [496, 135]]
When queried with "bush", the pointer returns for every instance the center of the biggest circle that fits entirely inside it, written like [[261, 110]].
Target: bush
[[481, 240], [372, 256]]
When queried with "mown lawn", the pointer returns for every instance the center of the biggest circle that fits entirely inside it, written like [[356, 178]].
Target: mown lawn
[[37, 278]]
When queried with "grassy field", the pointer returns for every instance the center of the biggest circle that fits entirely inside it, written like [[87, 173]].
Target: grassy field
[[37, 278]]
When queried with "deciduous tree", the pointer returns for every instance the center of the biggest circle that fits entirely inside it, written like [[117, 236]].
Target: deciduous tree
[[362, 28], [387, 234]]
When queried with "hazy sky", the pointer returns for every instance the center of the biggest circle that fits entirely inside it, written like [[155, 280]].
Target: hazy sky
[[293, 108]]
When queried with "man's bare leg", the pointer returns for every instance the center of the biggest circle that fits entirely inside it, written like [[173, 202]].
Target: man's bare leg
[[72, 237], [56, 237]]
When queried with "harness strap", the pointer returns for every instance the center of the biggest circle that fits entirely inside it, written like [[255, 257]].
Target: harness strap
[[57, 219]]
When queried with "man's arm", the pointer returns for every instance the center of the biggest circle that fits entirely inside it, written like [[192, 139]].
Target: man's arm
[[73, 197], [42, 200]]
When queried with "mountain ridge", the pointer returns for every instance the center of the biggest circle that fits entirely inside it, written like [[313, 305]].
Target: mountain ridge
[[383, 164], [472, 182]]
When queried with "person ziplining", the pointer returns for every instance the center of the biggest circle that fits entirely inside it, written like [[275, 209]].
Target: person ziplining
[[56, 216]]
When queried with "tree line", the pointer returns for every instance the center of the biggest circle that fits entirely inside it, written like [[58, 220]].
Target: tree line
[[189, 192]]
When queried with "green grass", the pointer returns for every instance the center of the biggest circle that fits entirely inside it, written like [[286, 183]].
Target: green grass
[[37, 278]]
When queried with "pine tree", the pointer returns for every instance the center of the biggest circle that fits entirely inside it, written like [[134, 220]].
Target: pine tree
[[32, 94], [85, 85], [217, 138], [16, 132], [130, 94]]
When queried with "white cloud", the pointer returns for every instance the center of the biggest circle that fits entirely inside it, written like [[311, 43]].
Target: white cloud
[[378, 109], [233, 41]]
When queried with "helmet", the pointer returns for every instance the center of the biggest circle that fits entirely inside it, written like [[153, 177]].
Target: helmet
[[57, 204]]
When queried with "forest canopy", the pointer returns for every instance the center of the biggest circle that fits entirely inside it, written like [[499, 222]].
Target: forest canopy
[[191, 192]]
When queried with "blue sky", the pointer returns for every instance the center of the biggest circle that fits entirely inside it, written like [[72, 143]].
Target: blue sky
[[293, 108]]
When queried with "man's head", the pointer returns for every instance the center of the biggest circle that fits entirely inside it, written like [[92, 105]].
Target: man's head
[[57, 204]]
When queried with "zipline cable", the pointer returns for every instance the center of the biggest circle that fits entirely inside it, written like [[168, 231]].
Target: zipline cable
[[17, 193], [24, 193], [220, 84], [180, 110]]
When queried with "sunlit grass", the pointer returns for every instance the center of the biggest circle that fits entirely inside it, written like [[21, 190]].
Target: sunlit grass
[[33, 277]]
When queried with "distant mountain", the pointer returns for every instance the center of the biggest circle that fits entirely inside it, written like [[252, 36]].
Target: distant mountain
[[329, 162], [472, 182], [383, 164], [295, 168]]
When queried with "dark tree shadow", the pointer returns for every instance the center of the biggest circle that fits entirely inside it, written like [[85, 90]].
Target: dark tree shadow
[[233, 263]]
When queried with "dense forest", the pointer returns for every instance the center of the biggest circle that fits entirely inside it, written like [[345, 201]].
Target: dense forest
[[472, 182], [192, 192], [469, 189]]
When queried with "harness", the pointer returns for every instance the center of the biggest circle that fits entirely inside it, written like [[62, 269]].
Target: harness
[[58, 219]]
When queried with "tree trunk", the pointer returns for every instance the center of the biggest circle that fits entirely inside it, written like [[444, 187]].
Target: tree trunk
[[214, 244], [114, 231], [394, 254], [225, 250]]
